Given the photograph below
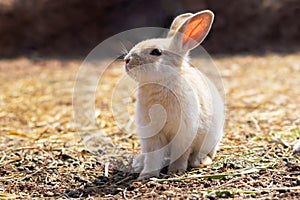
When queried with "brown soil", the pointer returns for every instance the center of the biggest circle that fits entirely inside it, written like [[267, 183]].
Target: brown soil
[[41, 154]]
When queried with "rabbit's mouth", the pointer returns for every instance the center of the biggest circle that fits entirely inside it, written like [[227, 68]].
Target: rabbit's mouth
[[128, 67]]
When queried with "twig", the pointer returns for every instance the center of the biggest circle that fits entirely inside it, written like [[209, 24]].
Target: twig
[[29, 175], [23, 148], [5, 195], [106, 169], [256, 124], [124, 193], [246, 171], [10, 161], [278, 140], [124, 179], [282, 188], [3, 157], [230, 181], [289, 177], [232, 147]]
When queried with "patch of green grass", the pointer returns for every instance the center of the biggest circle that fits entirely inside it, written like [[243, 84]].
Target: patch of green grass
[[296, 132], [248, 153]]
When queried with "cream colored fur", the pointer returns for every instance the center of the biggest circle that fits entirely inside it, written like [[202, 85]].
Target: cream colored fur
[[179, 113]]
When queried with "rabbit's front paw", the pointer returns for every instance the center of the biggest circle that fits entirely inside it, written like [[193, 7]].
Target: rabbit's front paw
[[138, 163], [176, 171], [178, 168], [147, 175]]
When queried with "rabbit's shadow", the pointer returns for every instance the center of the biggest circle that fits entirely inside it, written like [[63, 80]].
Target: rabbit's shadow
[[102, 185], [112, 185]]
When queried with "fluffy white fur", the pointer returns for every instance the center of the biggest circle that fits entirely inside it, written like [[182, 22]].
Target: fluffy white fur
[[179, 113]]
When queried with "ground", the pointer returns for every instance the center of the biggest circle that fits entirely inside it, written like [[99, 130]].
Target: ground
[[42, 155]]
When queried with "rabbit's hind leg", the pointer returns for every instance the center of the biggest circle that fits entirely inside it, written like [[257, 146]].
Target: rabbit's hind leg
[[179, 165], [198, 160]]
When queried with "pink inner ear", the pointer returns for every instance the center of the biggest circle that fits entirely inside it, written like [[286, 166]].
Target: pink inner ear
[[196, 28]]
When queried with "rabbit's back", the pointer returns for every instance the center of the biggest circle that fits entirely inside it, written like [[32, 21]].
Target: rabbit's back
[[211, 116]]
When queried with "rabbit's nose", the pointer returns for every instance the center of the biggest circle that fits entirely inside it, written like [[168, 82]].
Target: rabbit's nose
[[127, 60]]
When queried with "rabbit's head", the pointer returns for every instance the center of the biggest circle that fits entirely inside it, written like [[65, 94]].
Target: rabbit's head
[[154, 59]]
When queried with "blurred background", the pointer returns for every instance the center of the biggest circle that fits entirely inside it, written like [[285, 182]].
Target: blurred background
[[254, 43], [72, 28]]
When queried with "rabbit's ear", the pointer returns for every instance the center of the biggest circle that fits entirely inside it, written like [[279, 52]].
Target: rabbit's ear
[[177, 22], [193, 31]]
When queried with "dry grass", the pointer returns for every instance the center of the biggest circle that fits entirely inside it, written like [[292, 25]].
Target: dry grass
[[42, 156]]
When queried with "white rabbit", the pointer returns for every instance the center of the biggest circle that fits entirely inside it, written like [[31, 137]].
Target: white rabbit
[[179, 112]]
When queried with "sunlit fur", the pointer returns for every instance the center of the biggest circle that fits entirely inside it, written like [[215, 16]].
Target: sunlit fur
[[192, 113]]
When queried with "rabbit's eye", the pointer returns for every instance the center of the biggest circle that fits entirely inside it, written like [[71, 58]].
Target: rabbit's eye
[[155, 52]]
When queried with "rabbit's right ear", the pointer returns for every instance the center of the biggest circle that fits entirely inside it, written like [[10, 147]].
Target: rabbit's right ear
[[177, 22]]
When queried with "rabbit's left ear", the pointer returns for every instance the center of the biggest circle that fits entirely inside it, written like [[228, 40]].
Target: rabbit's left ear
[[177, 22], [193, 31]]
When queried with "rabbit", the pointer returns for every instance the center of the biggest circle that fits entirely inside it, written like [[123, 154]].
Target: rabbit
[[179, 112]]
